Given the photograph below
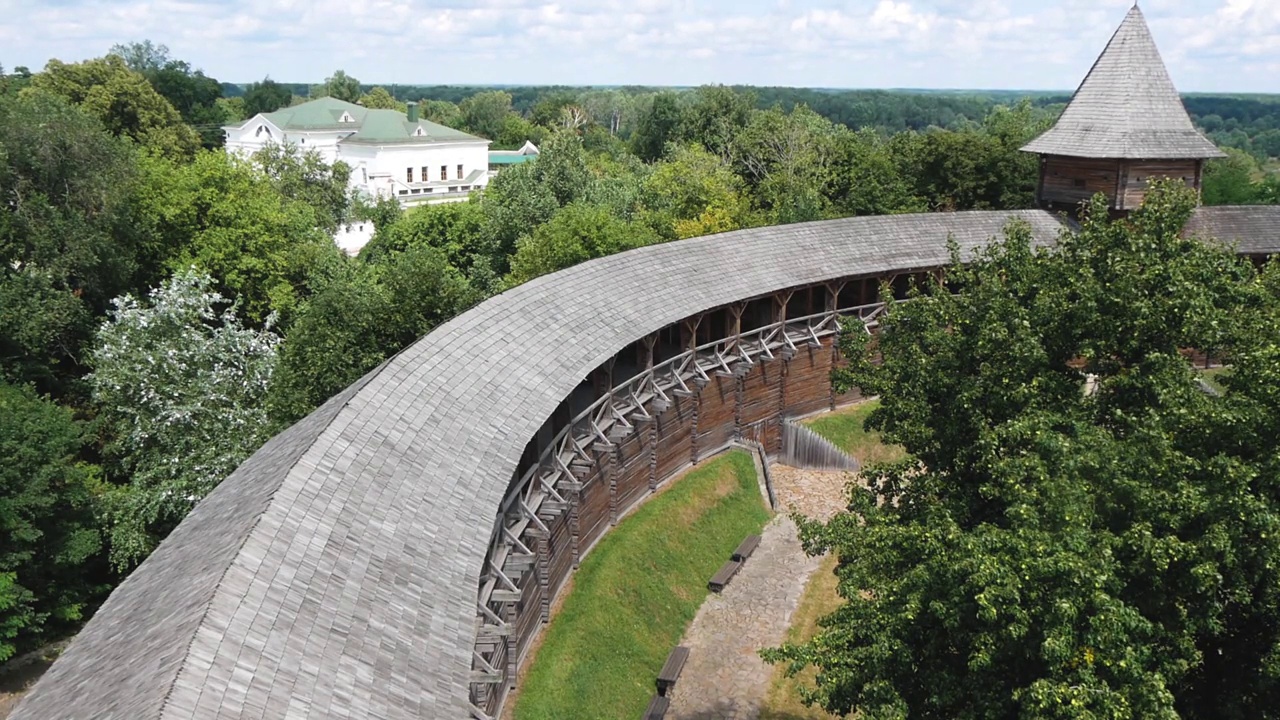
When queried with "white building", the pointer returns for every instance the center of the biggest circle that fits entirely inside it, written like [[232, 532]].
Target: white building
[[391, 154]]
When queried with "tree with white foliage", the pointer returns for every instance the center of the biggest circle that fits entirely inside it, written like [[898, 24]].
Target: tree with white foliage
[[180, 385]]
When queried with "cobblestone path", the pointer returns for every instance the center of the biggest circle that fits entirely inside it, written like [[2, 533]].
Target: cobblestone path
[[724, 677]]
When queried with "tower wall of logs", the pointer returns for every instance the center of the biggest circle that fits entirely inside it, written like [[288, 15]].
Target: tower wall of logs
[[719, 385]]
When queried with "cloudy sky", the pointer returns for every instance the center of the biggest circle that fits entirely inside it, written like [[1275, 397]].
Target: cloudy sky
[[1209, 45]]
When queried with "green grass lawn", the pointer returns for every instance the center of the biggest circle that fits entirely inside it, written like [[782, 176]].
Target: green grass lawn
[[1212, 376], [844, 428], [637, 591]]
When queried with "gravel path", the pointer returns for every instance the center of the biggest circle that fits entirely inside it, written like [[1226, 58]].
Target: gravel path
[[724, 678]]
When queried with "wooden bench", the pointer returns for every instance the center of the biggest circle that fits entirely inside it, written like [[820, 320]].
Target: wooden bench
[[723, 576], [747, 547], [671, 669], [657, 708]]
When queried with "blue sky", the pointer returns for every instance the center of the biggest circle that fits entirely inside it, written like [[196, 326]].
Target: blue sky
[[1209, 45]]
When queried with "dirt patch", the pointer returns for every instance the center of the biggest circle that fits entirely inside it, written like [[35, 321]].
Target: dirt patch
[[817, 494], [726, 482]]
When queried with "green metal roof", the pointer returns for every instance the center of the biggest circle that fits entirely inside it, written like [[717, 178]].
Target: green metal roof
[[369, 127], [391, 126], [496, 159]]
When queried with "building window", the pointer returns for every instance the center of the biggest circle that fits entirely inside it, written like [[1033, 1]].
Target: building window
[[444, 172], [453, 189], [408, 173], [426, 173], [364, 172], [459, 172]]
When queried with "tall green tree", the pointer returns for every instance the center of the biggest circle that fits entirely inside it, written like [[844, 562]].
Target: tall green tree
[[358, 319], [339, 85], [265, 96], [48, 534], [1080, 530], [230, 218], [656, 126], [1229, 180], [576, 234], [122, 100], [180, 386], [67, 240], [715, 116], [485, 113]]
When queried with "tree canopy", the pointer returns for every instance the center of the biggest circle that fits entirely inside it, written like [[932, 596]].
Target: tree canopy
[[1080, 529]]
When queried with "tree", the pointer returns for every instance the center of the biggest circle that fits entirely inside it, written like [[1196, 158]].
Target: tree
[[143, 57], [122, 100], [714, 118], [180, 386], [266, 96], [230, 218], [867, 179], [363, 316], [1048, 550], [379, 99], [692, 193], [195, 96], [442, 112], [787, 159], [456, 229], [67, 241], [305, 176], [576, 234], [338, 85], [486, 113], [1229, 180], [48, 538], [656, 127]]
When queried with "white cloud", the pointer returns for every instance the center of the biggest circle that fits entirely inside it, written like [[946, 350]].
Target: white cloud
[[1210, 44]]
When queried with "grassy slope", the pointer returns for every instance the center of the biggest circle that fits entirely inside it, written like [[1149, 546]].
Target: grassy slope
[[844, 428], [819, 599], [637, 591]]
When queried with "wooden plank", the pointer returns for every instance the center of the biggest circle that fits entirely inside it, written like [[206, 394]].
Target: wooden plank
[[746, 547], [723, 576], [671, 669], [657, 709]]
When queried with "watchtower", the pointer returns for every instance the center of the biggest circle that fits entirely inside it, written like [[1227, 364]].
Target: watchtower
[[1124, 127]]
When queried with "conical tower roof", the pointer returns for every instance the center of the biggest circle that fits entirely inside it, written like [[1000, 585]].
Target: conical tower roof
[[1126, 107]]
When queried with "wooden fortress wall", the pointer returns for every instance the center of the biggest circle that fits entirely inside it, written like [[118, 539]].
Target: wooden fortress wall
[[692, 429]]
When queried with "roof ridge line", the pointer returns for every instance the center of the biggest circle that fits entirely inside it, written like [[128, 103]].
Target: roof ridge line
[[204, 615]]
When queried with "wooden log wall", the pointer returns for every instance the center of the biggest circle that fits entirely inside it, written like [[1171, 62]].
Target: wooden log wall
[[1136, 177], [1067, 182], [623, 473]]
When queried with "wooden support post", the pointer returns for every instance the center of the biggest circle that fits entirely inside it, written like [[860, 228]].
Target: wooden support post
[[780, 301], [611, 471], [693, 432], [575, 500], [738, 393], [544, 576], [513, 651], [690, 330], [735, 324], [653, 455]]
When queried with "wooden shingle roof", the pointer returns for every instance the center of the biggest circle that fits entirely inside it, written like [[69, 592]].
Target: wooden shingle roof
[[1127, 107], [335, 573]]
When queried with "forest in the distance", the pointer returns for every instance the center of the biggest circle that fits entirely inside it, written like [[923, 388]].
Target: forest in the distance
[[165, 306]]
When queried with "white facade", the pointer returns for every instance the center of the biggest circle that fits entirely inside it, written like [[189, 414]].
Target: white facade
[[390, 154]]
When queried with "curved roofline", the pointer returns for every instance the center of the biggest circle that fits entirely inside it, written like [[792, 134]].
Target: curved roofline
[[335, 572]]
